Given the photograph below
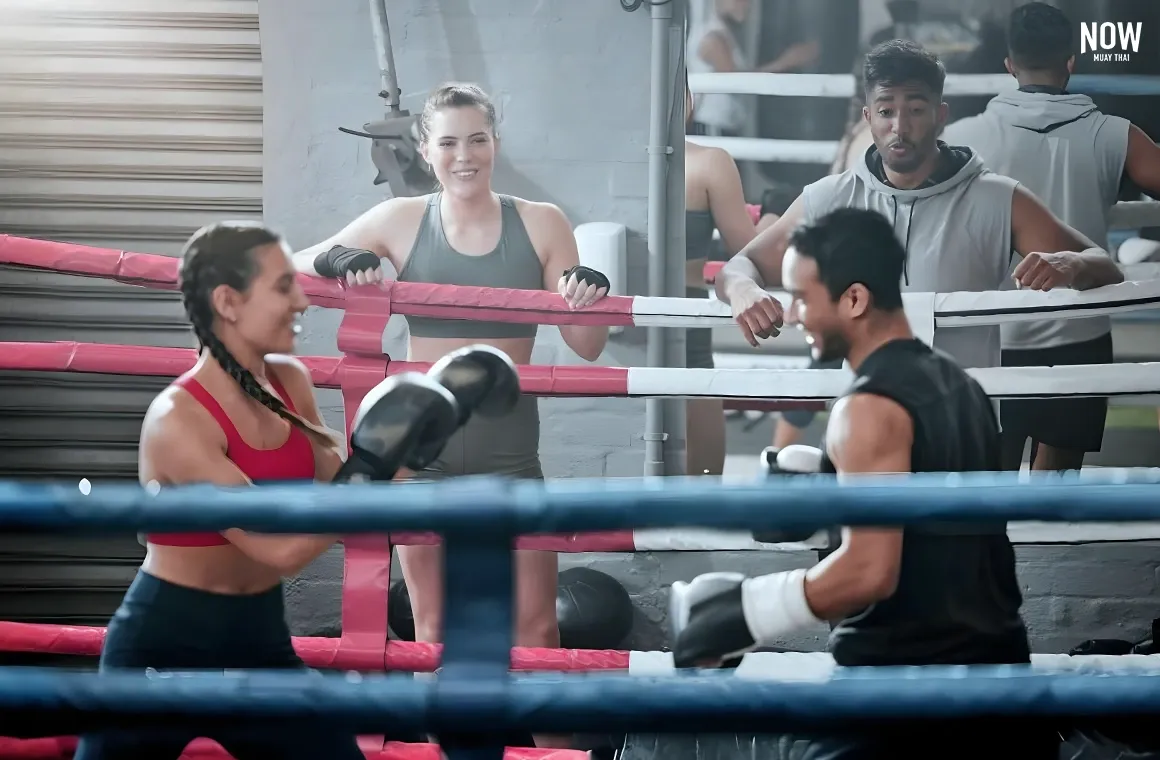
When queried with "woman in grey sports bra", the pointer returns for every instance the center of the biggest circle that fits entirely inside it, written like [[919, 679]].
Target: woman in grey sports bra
[[466, 234], [714, 199]]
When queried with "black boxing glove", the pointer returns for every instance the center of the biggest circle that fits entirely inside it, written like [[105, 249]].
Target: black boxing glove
[[340, 260], [794, 459], [707, 620], [482, 379], [589, 276], [399, 416], [719, 616]]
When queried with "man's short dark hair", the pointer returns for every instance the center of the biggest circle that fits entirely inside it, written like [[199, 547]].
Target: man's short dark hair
[[899, 62], [854, 245], [1040, 37]]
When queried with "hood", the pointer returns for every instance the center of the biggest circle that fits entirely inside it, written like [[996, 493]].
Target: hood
[[959, 165], [1039, 111]]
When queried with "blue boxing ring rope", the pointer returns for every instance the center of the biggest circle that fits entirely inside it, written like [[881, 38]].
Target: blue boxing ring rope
[[479, 518]]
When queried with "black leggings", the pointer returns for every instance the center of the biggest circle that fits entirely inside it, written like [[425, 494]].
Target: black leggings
[[163, 626]]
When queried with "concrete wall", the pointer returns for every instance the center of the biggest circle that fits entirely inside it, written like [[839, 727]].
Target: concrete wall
[[571, 80]]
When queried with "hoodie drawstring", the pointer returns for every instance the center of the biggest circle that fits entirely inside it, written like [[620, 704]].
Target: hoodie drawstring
[[906, 242]]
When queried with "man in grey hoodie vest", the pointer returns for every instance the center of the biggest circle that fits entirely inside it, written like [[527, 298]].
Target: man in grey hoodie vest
[[957, 221], [1072, 156]]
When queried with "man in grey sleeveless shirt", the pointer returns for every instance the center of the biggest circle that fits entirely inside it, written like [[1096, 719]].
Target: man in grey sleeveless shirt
[[1072, 156], [957, 221]]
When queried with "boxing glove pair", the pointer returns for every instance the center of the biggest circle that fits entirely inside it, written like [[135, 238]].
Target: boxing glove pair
[[407, 419]]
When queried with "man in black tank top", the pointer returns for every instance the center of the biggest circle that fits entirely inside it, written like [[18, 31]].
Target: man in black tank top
[[927, 595]]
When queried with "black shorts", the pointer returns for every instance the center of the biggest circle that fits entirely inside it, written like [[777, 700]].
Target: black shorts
[[163, 626], [1069, 424]]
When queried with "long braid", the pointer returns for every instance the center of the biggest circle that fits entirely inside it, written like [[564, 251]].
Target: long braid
[[198, 278]]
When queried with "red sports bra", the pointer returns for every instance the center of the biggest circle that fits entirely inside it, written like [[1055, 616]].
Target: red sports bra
[[293, 460]]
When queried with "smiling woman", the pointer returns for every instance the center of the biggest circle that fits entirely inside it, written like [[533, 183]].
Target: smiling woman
[[468, 234]]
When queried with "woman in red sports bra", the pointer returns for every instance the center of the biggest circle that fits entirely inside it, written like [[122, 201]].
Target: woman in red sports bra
[[245, 414]]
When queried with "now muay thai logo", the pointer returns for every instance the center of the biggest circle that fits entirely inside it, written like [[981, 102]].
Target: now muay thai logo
[[1108, 41]]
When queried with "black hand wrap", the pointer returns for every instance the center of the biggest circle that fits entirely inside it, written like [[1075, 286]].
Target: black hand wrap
[[483, 380], [589, 276], [398, 416], [340, 260]]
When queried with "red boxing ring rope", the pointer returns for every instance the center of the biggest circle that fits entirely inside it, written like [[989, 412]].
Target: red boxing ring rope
[[326, 371], [316, 652], [63, 747]]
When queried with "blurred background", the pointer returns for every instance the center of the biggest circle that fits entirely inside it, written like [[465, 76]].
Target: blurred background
[[831, 37]]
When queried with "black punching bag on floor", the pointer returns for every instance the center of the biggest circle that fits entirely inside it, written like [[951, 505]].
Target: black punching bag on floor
[[593, 609]]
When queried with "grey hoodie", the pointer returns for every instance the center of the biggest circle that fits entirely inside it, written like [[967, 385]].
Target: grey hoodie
[[1069, 155], [957, 234]]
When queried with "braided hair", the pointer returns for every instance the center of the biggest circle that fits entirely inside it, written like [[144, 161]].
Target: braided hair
[[223, 254]]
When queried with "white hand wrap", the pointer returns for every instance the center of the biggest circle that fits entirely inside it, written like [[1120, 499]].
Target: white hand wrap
[[798, 458], [775, 605]]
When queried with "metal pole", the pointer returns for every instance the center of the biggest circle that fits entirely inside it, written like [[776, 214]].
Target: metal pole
[[659, 151], [675, 454], [389, 82]]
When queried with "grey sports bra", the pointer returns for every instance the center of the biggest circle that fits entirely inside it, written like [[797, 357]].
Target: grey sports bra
[[512, 264]]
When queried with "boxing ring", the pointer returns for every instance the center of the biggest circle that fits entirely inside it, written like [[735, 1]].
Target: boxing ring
[[564, 517]]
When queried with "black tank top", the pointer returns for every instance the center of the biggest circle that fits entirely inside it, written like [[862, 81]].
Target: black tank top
[[957, 600]]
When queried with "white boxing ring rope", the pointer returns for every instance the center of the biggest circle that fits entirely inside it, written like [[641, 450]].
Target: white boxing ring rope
[[1126, 215], [830, 85], [955, 309], [819, 666]]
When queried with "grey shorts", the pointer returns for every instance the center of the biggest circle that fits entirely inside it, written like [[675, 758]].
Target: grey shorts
[[508, 445], [698, 340]]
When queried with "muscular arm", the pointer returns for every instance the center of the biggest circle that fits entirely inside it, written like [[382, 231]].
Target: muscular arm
[[365, 232], [1034, 230], [1143, 161], [180, 450], [727, 202], [561, 255], [866, 434], [759, 262]]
